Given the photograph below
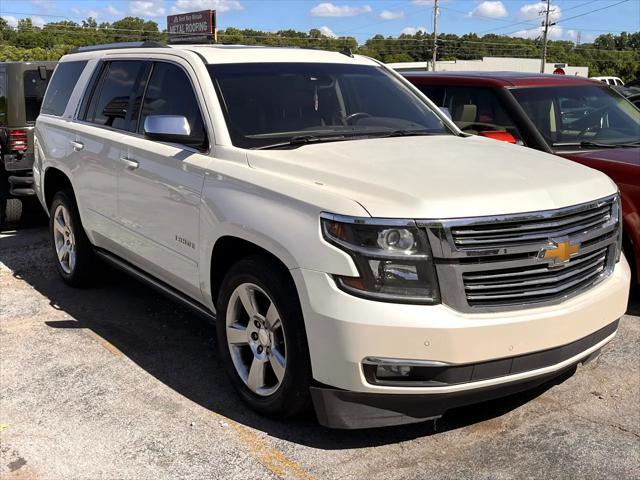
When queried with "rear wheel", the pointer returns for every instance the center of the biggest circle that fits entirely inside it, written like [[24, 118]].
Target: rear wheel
[[262, 338], [12, 210], [73, 252]]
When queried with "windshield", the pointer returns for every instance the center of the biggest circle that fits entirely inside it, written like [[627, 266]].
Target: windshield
[[272, 104], [585, 115]]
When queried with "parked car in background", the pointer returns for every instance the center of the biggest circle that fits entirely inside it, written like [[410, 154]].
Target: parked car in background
[[630, 93], [576, 118], [633, 83], [22, 87], [609, 80]]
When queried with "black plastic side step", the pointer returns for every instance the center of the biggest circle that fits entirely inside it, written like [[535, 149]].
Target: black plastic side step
[[156, 284]]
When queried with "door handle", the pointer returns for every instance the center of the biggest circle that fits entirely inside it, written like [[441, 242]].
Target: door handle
[[77, 146], [129, 164]]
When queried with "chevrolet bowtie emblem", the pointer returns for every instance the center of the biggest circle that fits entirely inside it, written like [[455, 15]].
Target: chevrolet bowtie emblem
[[561, 252]]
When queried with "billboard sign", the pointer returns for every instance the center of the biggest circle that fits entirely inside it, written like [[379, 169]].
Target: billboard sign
[[192, 27]]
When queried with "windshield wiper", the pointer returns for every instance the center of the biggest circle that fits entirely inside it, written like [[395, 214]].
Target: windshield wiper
[[302, 140], [307, 139], [590, 144], [406, 133]]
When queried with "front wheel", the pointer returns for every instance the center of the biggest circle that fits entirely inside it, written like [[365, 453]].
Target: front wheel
[[262, 338], [73, 251]]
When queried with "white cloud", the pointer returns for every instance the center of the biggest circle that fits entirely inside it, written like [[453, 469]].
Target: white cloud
[[147, 8], [555, 33], [93, 13], [584, 37], [11, 20], [532, 11], [491, 9], [391, 15], [331, 10], [182, 6], [413, 30], [43, 4], [38, 21], [422, 2], [327, 32], [111, 10]]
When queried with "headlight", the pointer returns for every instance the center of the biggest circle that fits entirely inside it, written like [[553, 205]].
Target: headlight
[[392, 256]]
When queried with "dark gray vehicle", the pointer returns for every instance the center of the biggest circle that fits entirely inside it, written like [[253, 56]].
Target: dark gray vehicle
[[22, 87]]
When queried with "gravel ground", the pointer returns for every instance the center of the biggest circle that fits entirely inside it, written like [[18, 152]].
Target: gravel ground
[[116, 381]]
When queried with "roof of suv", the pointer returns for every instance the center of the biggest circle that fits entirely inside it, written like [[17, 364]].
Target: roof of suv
[[498, 79], [217, 54]]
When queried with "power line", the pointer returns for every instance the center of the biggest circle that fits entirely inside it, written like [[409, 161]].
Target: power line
[[575, 16]]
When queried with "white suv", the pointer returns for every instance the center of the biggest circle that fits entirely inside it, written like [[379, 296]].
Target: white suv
[[358, 250]]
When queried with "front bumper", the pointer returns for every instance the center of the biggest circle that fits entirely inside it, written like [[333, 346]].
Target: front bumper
[[343, 330], [348, 410]]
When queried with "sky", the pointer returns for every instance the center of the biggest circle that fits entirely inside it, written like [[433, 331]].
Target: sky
[[359, 18]]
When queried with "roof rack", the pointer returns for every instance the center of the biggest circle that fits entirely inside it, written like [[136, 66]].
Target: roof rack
[[114, 46]]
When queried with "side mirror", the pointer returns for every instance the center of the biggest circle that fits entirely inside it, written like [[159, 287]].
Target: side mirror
[[446, 111], [170, 128], [501, 135]]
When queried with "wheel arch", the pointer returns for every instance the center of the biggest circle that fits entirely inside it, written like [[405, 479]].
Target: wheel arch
[[228, 250], [54, 180]]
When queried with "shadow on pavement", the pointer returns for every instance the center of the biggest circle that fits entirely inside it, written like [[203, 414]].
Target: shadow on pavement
[[179, 349]]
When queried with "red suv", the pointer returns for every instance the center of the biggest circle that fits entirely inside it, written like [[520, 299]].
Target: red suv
[[577, 118]]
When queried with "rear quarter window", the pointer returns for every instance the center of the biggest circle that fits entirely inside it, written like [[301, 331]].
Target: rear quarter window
[[3, 99], [62, 84], [34, 88]]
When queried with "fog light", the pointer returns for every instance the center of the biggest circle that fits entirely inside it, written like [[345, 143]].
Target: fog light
[[392, 371]]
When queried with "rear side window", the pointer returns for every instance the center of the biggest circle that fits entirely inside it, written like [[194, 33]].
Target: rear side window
[[34, 88], [62, 84], [111, 100], [170, 92], [3, 100]]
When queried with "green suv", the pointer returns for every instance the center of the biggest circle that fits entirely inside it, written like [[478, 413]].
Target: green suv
[[22, 87]]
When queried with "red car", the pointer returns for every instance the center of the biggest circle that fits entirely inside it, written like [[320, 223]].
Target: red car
[[577, 118]]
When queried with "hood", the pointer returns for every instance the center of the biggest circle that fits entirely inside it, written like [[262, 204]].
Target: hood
[[438, 176], [629, 156]]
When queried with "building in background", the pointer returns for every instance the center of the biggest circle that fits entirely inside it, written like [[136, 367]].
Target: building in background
[[491, 64]]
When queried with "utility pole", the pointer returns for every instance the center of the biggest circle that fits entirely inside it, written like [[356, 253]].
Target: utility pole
[[435, 34], [545, 34]]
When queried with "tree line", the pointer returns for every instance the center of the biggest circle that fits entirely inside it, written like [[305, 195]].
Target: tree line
[[608, 54]]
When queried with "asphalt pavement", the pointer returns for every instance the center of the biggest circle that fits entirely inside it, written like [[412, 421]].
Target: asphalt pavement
[[116, 381]]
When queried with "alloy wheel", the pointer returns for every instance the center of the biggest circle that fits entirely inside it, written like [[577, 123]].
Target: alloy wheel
[[256, 339], [64, 239]]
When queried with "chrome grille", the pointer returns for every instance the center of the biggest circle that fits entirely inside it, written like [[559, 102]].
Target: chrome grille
[[498, 263], [513, 233], [536, 283]]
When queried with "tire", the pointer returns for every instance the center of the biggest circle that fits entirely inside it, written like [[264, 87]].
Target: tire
[[265, 281], [76, 267], [13, 210]]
